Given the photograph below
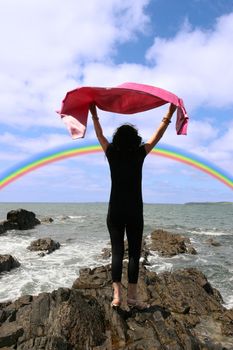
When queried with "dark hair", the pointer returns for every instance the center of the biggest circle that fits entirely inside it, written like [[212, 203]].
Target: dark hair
[[126, 138]]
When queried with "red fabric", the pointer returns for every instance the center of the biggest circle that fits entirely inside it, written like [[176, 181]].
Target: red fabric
[[127, 98]]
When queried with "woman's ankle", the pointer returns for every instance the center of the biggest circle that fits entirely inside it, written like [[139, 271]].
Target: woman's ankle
[[117, 290], [132, 291]]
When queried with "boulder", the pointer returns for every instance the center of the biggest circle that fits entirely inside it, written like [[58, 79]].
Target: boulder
[[46, 245], [183, 305], [8, 262], [2, 227], [22, 219], [169, 244]]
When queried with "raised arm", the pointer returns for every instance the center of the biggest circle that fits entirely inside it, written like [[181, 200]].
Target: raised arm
[[98, 129], [149, 145]]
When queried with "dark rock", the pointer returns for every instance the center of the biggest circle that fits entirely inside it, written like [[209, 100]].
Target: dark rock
[[227, 325], [10, 332], [82, 318], [7, 262], [63, 319], [2, 227], [191, 250], [9, 225], [24, 219], [213, 242], [169, 244], [44, 244]]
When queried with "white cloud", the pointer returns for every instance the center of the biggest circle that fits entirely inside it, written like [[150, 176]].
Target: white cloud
[[45, 44], [200, 133], [225, 142], [197, 63], [48, 34], [32, 145]]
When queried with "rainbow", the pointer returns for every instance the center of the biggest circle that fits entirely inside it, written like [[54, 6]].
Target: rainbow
[[59, 154]]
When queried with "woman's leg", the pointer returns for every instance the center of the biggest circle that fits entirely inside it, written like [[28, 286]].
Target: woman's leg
[[116, 231], [134, 231]]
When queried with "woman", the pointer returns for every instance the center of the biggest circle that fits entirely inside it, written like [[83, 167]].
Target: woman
[[125, 155]]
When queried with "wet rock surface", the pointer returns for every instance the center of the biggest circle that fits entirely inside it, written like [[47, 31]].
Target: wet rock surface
[[45, 245], [2, 228], [8, 262], [19, 219], [6, 225], [9, 225], [185, 312], [169, 244], [23, 218]]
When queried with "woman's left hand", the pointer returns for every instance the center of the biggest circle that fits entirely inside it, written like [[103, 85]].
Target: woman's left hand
[[93, 110]]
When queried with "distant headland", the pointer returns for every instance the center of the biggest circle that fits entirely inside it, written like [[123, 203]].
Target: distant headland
[[193, 203]]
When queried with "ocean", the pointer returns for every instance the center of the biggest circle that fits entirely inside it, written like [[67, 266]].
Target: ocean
[[82, 232]]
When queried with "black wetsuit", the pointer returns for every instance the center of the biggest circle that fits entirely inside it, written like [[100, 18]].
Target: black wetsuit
[[125, 212]]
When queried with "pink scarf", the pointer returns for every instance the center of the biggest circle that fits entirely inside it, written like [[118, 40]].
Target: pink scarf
[[126, 98]]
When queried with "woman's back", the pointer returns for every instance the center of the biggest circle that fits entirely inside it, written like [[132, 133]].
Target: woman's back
[[126, 176]]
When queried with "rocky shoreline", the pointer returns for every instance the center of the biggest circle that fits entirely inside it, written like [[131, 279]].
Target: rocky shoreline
[[185, 311]]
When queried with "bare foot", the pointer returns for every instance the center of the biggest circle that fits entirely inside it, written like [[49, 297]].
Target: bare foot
[[137, 304], [116, 302]]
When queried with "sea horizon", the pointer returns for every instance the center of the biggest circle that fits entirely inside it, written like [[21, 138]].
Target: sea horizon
[[106, 202]]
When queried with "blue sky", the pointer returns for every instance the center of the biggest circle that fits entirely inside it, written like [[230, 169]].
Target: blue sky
[[50, 46]]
